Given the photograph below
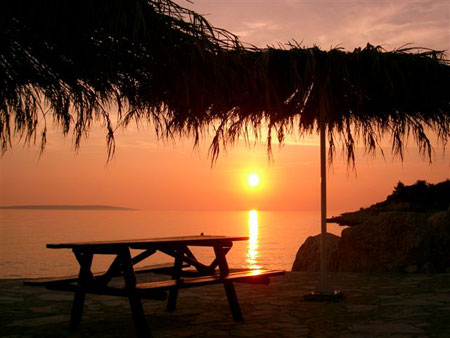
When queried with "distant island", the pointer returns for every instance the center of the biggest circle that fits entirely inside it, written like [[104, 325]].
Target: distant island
[[63, 207]]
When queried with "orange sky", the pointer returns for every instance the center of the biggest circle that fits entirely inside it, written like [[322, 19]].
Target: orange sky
[[149, 174]]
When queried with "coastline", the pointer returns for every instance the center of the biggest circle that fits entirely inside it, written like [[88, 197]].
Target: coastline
[[376, 305]]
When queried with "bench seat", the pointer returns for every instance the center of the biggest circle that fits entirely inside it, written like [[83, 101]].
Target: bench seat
[[155, 294], [157, 289], [164, 268], [246, 276]]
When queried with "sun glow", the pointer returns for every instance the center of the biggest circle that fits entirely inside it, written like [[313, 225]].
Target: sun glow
[[253, 180]]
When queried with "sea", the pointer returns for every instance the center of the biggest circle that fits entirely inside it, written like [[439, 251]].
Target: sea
[[274, 236]]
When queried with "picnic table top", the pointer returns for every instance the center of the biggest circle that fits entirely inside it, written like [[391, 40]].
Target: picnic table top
[[201, 240]]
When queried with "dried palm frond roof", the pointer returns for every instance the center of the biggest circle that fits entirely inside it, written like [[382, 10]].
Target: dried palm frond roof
[[361, 94], [158, 61]]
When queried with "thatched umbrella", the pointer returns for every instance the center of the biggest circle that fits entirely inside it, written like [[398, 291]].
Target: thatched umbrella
[[72, 59], [160, 62]]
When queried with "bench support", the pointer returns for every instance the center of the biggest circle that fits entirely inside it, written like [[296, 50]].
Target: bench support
[[228, 284], [233, 301], [84, 277], [137, 311], [173, 293]]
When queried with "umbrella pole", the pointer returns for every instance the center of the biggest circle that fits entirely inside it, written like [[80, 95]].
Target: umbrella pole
[[325, 293], [323, 210]]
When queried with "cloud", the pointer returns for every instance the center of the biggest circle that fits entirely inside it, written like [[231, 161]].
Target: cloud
[[251, 29], [349, 24], [422, 24]]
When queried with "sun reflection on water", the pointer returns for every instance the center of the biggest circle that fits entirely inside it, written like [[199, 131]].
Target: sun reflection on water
[[253, 244]]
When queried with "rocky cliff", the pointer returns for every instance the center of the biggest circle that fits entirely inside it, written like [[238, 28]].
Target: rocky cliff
[[399, 234]]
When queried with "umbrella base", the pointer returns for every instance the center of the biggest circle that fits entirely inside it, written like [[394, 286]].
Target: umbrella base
[[334, 296]]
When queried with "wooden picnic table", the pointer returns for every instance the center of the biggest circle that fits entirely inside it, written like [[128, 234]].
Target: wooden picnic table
[[216, 271]]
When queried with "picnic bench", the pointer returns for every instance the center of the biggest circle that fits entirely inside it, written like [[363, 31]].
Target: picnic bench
[[123, 265]]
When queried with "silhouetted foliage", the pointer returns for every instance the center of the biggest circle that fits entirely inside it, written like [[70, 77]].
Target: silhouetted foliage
[[398, 187], [422, 196]]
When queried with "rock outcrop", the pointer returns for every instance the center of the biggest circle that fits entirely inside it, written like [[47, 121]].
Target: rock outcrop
[[394, 235], [389, 241], [308, 256], [439, 242]]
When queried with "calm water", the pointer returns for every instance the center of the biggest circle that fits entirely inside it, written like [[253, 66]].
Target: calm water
[[274, 236]]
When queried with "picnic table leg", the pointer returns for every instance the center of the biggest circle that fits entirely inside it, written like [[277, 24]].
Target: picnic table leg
[[137, 310], [85, 276], [233, 301], [173, 293], [228, 285]]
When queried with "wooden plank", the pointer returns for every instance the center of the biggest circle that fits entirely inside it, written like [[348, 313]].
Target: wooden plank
[[153, 294], [173, 293], [158, 290], [163, 268], [84, 277], [137, 311], [141, 256], [159, 285], [203, 240], [250, 276], [241, 276], [233, 301], [247, 276]]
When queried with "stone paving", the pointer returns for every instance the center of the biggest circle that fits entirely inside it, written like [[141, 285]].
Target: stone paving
[[375, 305]]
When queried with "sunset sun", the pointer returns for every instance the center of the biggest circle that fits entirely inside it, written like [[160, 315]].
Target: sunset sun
[[253, 180]]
